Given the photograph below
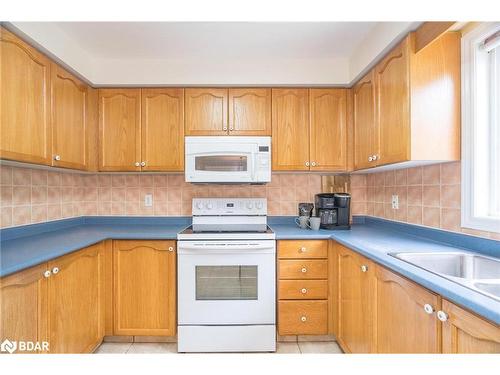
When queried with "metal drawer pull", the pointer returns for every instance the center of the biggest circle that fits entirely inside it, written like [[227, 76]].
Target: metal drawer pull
[[428, 308], [170, 248], [303, 249], [304, 290], [364, 268], [303, 319], [303, 270], [47, 273], [442, 316], [55, 270]]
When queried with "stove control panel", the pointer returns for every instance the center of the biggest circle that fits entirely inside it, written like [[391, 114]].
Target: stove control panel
[[229, 206]]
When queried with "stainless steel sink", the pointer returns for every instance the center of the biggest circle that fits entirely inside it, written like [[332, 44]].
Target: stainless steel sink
[[478, 272]]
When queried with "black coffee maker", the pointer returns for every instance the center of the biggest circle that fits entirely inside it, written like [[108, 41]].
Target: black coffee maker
[[334, 210]]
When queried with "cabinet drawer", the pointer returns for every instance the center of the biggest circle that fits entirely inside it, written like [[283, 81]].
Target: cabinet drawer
[[303, 289], [303, 269], [303, 317], [302, 249]]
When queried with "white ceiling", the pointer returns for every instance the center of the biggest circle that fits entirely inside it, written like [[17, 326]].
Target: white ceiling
[[194, 40], [215, 53]]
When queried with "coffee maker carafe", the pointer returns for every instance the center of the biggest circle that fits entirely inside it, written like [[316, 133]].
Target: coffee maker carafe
[[334, 210]]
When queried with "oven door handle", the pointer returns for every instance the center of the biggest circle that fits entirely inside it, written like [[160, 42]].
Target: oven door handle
[[225, 249]]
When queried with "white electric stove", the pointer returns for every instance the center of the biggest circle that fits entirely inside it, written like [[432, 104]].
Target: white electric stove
[[227, 278]]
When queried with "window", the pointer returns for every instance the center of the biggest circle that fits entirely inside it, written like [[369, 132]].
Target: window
[[481, 128]]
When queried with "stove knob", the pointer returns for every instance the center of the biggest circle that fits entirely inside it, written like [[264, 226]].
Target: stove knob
[[199, 205], [259, 205], [209, 206], [249, 205]]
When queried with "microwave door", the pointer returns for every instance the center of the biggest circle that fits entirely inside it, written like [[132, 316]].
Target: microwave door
[[222, 167]]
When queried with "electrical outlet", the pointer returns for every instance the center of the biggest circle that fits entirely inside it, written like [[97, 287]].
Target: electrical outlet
[[148, 200], [395, 202]]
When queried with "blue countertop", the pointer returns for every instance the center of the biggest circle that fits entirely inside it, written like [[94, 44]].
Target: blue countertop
[[26, 246]]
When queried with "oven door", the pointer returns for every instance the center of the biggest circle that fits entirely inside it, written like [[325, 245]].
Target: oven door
[[226, 282], [221, 162]]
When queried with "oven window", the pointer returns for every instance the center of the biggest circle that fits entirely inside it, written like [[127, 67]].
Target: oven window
[[222, 163], [226, 282]]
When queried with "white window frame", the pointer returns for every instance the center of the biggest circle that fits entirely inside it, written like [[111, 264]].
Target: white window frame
[[470, 42]]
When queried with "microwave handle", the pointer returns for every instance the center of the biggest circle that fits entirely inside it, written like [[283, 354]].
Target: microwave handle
[[253, 166]]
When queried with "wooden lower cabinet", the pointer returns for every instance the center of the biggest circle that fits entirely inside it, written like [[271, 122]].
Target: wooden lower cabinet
[[23, 305], [76, 301], [355, 300], [401, 324], [464, 332], [144, 285], [303, 317]]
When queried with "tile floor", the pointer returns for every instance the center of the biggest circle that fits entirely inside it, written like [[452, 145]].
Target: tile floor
[[329, 347]]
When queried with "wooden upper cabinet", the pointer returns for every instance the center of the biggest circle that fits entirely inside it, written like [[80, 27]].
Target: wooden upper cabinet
[[23, 307], [366, 140], [206, 111], [69, 120], [355, 301], [144, 288], [392, 77], [119, 128], [250, 111], [162, 129], [464, 332], [290, 127], [76, 301], [24, 102], [328, 137], [402, 325]]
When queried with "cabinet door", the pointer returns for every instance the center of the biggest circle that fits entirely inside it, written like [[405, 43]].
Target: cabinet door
[[206, 111], [144, 288], [69, 120], [366, 137], [355, 296], [392, 82], [24, 102], [250, 112], [162, 129], [402, 324], [23, 307], [290, 123], [120, 129], [465, 332], [328, 144], [76, 301]]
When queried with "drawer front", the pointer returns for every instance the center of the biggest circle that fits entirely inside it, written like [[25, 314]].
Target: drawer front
[[303, 289], [303, 269], [302, 249], [303, 317]]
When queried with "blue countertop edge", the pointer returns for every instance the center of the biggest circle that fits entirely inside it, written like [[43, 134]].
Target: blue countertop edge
[[29, 245]]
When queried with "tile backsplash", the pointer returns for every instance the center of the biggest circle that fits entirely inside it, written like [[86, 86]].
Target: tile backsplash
[[36, 195], [428, 195]]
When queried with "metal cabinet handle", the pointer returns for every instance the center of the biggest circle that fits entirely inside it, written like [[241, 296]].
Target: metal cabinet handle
[[303, 318], [224, 127], [442, 316], [231, 129], [303, 249], [303, 270], [55, 270], [137, 164], [47, 273], [428, 309], [374, 157], [313, 164], [143, 163], [307, 164], [364, 268], [170, 248], [370, 158], [57, 157], [303, 291]]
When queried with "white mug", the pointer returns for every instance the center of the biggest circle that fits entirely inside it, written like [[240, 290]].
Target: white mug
[[301, 221], [314, 223]]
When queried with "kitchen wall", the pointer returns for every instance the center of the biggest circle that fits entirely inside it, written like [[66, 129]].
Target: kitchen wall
[[35, 195], [428, 196]]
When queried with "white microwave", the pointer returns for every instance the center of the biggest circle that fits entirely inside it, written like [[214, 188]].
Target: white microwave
[[228, 159]]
